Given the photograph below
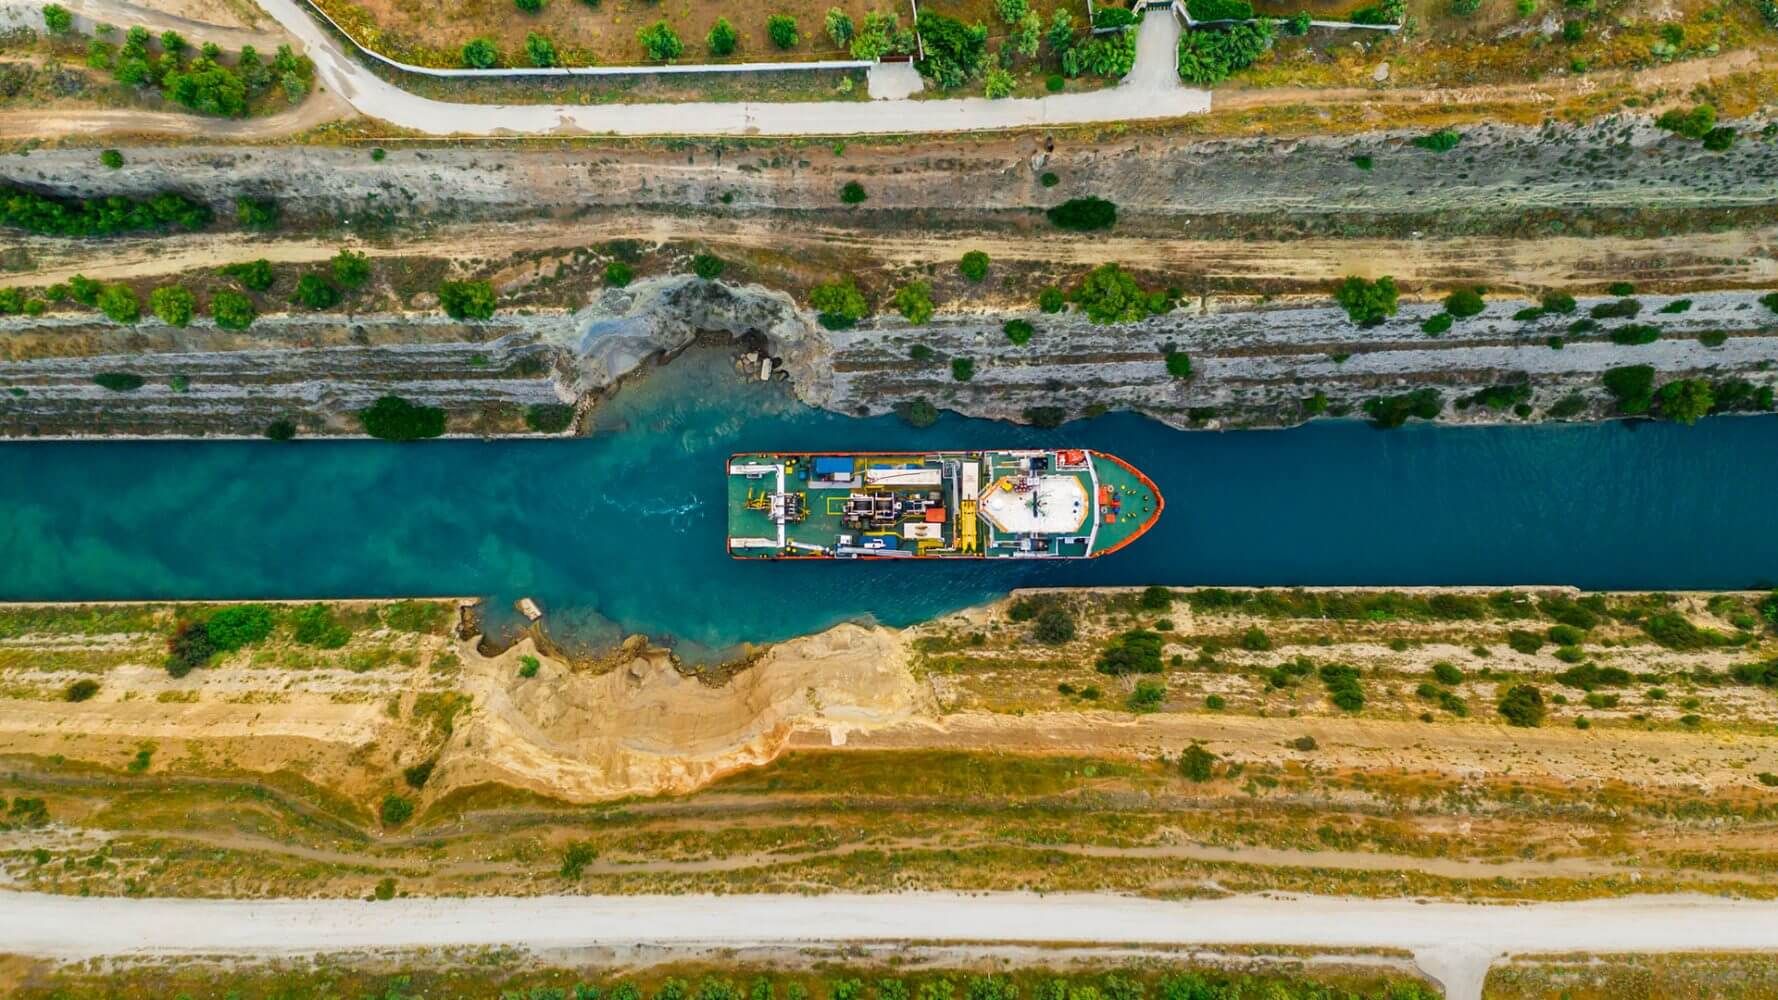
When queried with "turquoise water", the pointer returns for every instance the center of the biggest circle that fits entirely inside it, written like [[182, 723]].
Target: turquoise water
[[623, 529]]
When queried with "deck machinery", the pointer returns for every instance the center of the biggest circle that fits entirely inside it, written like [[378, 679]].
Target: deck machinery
[[1031, 504]]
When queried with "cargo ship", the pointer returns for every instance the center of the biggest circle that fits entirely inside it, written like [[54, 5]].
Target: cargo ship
[[1028, 504]]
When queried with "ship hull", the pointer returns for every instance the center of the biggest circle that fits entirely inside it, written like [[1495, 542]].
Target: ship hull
[[936, 505]]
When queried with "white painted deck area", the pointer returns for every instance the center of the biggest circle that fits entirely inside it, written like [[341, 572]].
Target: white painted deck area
[[1062, 506]]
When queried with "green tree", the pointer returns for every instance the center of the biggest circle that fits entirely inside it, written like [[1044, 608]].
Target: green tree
[[917, 412], [473, 300], [1367, 303], [1051, 299], [239, 625], [1054, 625], [254, 275], [316, 292], [955, 52], [914, 301], [257, 213], [540, 50], [549, 418], [1109, 294], [974, 265], [1464, 303], [120, 304], [111, 159], [722, 38], [1083, 214], [529, 6], [1197, 764], [1686, 400], [395, 810], [660, 43], [781, 29], [1632, 387], [707, 266], [1178, 365], [618, 274], [57, 19], [232, 310], [1137, 651], [1522, 706], [1018, 331], [173, 305], [351, 269], [1694, 123], [119, 381], [839, 303], [852, 193], [839, 27], [281, 429], [315, 625], [480, 53], [962, 369], [392, 418], [998, 84]]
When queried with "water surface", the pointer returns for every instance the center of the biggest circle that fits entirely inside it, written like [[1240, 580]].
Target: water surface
[[624, 529]]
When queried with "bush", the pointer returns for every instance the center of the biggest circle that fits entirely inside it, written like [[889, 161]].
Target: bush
[[257, 213], [1464, 303], [1197, 764], [315, 625], [974, 265], [1256, 640], [111, 159], [417, 775], [962, 369], [315, 292], [914, 301], [540, 50], [1178, 364], [395, 810], [1524, 642], [1018, 331], [120, 304], [1051, 299], [1436, 324], [1522, 706], [1219, 10], [1045, 416], [839, 303], [1631, 387], [549, 418], [173, 305], [1367, 303], [480, 53], [660, 43], [392, 418], [529, 665], [722, 38], [917, 413], [1447, 673], [280, 429], [189, 648], [618, 274], [1442, 141], [839, 27], [1208, 56], [110, 216], [1108, 294], [254, 275], [232, 310], [781, 29], [852, 193], [1393, 411], [1621, 309], [1147, 696], [954, 51], [239, 625], [351, 268], [118, 381], [1557, 302], [57, 19], [469, 300], [1693, 123], [1084, 214], [708, 266], [1342, 684], [1566, 635], [1686, 400], [574, 861], [1054, 625], [1137, 651]]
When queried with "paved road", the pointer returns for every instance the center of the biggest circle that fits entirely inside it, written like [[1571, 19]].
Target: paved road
[[1149, 93], [1454, 942]]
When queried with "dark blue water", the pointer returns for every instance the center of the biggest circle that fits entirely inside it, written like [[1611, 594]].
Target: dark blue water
[[624, 530]]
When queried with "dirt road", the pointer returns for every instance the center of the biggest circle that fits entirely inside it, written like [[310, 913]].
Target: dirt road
[[1454, 942]]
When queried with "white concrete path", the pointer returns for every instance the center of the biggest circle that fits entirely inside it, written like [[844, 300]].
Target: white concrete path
[[1144, 95], [1455, 942]]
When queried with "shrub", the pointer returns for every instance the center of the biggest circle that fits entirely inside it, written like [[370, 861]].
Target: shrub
[[468, 300], [281, 429], [315, 292], [618, 274], [315, 625], [1464, 303], [722, 38], [119, 304], [1693, 123], [529, 665], [1367, 303], [1108, 294], [917, 413], [1587, 676], [1566, 635], [110, 216], [1197, 764], [880, 35], [540, 50], [839, 27], [1442, 141], [974, 265], [1342, 684], [1524, 642], [480, 53], [257, 213], [1155, 598], [1083, 214], [239, 625], [998, 84], [954, 51], [1045, 416], [1447, 673], [963, 369], [839, 303], [1219, 10], [1632, 387], [351, 268], [1393, 411], [549, 418], [1147, 696], [188, 648], [417, 775], [1049, 179], [395, 810], [232, 310], [914, 301], [392, 418], [1256, 640], [1137, 651], [57, 19], [1522, 706], [574, 861], [708, 266], [1209, 56], [1051, 299], [1686, 400], [1054, 625], [660, 43], [1620, 309], [1436, 324], [1018, 331], [173, 305], [1557, 302], [852, 193], [111, 159], [254, 275], [1178, 364], [781, 29]]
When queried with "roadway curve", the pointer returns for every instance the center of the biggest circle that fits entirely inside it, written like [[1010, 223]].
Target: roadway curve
[[1146, 93], [1453, 942]]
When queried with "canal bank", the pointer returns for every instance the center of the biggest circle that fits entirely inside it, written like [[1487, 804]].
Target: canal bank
[[622, 531]]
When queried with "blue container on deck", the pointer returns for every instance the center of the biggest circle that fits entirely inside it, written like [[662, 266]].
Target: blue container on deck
[[833, 466]]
